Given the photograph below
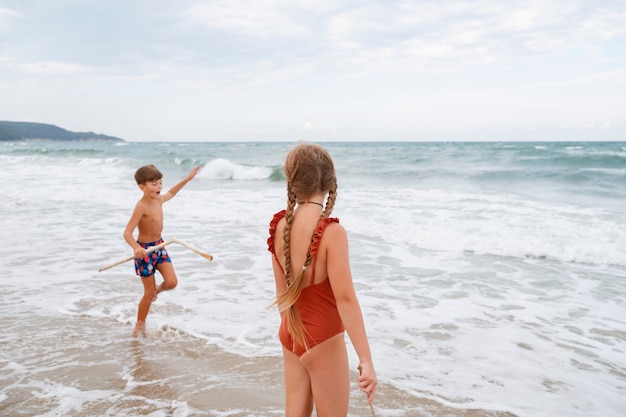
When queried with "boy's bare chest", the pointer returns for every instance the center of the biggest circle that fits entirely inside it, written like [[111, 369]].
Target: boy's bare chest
[[152, 215], [154, 212]]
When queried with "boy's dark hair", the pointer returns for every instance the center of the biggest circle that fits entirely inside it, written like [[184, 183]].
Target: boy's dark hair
[[147, 173]]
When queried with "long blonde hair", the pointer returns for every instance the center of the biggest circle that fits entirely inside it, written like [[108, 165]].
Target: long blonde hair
[[309, 170]]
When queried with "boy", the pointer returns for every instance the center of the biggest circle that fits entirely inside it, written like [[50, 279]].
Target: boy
[[148, 219]]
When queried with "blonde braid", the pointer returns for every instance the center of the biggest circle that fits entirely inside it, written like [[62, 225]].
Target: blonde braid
[[287, 299], [330, 200], [291, 203]]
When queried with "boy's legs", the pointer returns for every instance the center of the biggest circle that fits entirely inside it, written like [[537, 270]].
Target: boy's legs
[[149, 293], [170, 281]]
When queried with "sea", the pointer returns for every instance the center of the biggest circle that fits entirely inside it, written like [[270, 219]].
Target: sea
[[491, 276]]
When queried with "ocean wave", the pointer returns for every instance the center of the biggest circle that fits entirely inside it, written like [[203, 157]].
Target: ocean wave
[[220, 168], [588, 161], [490, 224], [55, 152]]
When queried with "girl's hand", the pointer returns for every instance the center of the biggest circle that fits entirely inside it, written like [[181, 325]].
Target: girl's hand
[[367, 380]]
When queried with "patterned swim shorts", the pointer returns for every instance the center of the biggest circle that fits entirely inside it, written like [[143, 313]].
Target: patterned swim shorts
[[147, 267]]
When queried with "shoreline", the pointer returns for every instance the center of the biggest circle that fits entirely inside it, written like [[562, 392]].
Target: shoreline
[[78, 365]]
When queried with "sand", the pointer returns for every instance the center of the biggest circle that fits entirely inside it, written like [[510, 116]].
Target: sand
[[81, 366]]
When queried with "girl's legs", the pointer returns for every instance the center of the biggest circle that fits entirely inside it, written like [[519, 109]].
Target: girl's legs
[[328, 369], [299, 398]]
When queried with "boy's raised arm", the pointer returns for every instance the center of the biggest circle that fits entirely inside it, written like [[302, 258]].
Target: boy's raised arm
[[175, 189]]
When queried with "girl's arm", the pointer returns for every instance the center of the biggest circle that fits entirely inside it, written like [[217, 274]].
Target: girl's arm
[[338, 267]]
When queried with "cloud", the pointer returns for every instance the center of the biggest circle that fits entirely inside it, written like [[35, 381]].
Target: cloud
[[6, 18], [308, 126], [352, 68], [442, 37], [604, 24], [259, 18], [267, 39], [56, 68]]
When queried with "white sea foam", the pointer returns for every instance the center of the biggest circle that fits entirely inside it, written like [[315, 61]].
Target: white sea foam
[[489, 224], [221, 168]]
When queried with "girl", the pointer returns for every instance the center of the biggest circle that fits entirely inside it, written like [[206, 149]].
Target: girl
[[314, 291]]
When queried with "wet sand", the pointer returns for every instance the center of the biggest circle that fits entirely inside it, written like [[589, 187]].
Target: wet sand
[[86, 366]]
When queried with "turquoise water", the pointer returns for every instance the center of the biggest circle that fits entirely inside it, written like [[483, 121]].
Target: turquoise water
[[491, 275], [579, 170]]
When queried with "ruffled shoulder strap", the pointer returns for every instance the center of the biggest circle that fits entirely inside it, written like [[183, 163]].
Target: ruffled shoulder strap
[[273, 224], [317, 238]]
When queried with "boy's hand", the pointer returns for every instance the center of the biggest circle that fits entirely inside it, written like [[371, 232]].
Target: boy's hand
[[193, 173], [140, 253], [175, 189]]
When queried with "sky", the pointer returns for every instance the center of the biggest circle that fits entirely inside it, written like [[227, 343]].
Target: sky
[[317, 70]]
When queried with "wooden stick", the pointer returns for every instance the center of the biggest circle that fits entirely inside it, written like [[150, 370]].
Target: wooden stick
[[159, 246], [193, 248], [369, 403]]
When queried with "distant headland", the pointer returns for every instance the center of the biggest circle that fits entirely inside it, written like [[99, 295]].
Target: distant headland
[[19, 131]]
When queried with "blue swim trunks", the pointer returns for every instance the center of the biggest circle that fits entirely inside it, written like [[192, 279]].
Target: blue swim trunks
[[147, 266]]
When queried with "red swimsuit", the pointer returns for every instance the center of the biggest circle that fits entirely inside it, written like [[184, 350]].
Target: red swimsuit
[[316, 303]]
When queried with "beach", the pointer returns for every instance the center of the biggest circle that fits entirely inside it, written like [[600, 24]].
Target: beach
[[490, 275], [169, 373]]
